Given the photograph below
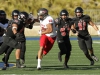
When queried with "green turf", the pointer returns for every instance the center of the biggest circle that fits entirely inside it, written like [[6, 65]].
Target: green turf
[[78, 63]]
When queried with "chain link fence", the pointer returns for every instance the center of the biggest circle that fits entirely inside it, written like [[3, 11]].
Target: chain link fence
[[94, 14]]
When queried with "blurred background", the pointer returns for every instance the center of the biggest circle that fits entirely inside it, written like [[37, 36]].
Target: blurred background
[[90, 7]]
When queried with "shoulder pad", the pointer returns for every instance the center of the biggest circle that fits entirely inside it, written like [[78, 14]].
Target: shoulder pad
[[86, 17], [74, 19], [70, 19]]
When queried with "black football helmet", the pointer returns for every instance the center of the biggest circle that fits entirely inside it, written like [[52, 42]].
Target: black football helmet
[[15, 13], [2, 14], [79, 9], [23, 16], [42, 12], [64, 12]]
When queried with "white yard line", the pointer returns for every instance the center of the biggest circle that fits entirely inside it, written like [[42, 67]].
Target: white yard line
[[49, 74]]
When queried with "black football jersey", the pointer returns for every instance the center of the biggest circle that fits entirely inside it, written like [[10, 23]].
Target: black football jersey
[[81, 24], [63, 24], [20, 28]]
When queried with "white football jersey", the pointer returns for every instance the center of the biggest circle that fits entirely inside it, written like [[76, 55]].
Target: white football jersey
[[43, 25]]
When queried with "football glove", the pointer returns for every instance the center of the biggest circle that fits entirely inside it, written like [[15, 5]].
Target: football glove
[[39, 32], [98, 32]]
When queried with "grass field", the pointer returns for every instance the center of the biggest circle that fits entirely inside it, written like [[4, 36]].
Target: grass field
[[78, 64]]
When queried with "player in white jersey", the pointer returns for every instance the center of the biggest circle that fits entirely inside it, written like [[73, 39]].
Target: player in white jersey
[[47, 32]]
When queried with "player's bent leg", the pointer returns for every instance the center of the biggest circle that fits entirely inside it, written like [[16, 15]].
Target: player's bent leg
[[93, 56], [91, 60], [67, 56], [22, 54], [90, 48], [3, 48]]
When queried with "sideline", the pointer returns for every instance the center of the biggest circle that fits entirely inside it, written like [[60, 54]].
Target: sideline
[[71, 38]]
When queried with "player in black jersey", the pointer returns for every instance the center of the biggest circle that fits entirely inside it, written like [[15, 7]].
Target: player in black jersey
[[80, 26], [14, 36], [15, 14], [63, 24]]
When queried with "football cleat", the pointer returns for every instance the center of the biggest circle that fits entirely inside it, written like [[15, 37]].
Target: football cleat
[[23, 66], [92, 63], [18, 65], [65, 66], [22, 63], [95, 58], [4, 68], [38, 68]]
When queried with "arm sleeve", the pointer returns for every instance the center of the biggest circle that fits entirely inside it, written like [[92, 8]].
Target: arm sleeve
[[87, 17], [30, 26]]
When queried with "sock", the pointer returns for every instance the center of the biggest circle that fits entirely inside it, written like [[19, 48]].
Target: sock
[[17, 60], [39, 63]]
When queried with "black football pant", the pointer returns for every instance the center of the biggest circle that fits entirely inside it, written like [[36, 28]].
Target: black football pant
[[9, 42], [10, 49], [65, 47], [3, 48], [85, 43]]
